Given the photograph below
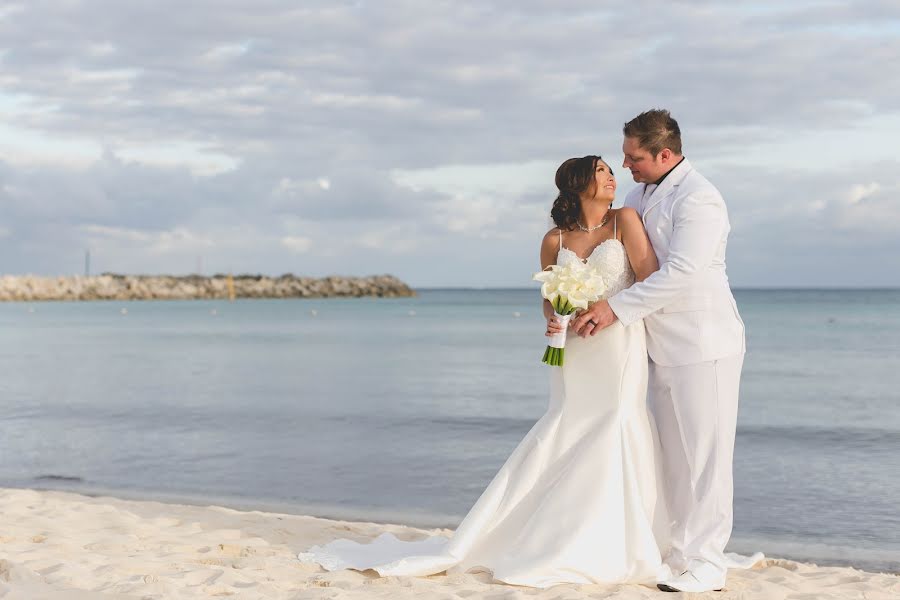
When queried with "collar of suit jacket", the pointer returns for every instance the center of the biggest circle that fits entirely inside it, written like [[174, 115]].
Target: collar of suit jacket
[[660, 180], [661, 192]]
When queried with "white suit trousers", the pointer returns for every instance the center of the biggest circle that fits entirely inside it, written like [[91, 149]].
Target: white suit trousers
[[695, 408]]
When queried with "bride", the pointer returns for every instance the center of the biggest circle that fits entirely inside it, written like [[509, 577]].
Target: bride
[[577, 501]]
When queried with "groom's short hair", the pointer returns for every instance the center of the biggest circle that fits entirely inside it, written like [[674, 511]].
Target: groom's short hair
[[655, 130]]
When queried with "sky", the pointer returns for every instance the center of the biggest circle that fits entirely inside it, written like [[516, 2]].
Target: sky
[[421, 138]]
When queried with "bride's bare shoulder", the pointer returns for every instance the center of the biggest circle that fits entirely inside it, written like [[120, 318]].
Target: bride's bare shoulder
[[551, 238], [550, 247], [627, 213], [628, 218], [630, 224]]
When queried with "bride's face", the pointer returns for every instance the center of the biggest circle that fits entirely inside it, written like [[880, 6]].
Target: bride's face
[[604, 182]]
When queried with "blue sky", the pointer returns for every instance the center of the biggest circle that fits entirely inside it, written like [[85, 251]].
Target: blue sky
[[421, 139]]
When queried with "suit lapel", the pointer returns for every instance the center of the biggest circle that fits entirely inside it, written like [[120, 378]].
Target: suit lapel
[[667, 187], [659, 195]]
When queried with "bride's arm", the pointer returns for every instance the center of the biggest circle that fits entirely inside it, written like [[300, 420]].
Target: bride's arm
[[549, 250], [637, 244]]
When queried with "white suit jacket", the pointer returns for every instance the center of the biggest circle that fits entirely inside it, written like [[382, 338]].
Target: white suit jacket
[[687, 306]]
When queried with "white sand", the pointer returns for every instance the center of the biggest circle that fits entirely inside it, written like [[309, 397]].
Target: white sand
[[56, 546]]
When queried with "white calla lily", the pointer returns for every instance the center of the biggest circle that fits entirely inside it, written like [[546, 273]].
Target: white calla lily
[[570, 287]]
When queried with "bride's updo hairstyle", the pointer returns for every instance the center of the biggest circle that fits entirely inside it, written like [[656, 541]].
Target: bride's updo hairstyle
[[573, 178]]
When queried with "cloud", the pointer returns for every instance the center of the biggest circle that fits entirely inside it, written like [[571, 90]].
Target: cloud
[[394, 136], [115, 239], [800, 228], [861, 192], [297, 244]]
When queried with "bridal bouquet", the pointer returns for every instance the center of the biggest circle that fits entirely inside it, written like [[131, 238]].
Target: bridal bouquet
[[569, 288]]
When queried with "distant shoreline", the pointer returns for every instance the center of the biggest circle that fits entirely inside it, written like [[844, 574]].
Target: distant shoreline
[[110, 286]]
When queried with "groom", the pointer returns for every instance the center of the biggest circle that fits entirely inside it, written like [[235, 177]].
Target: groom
[[695, 339]]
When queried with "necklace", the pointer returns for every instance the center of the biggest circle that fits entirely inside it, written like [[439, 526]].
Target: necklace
[[595, 227]]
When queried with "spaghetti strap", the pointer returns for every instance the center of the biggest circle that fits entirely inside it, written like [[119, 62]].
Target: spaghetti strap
[[615, 225]]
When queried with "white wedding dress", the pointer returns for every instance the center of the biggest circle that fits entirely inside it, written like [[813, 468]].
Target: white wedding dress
[[577, 500]]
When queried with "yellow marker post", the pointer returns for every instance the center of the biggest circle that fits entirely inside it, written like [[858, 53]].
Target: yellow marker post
[[229, 281]]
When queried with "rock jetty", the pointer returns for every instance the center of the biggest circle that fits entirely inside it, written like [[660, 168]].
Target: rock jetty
[[195, 287]]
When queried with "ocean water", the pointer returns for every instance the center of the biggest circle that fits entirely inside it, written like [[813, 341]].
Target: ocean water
[[403, 409]]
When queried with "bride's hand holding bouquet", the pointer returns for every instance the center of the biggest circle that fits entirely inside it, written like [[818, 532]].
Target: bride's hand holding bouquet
[[568, 288]]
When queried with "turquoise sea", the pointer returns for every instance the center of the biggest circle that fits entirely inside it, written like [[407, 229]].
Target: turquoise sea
[[388, 410]]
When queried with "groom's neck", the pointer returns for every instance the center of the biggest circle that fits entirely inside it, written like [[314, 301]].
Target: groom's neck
[[666, 174]]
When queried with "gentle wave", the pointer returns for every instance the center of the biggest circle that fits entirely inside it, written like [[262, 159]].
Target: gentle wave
[[511, 425]]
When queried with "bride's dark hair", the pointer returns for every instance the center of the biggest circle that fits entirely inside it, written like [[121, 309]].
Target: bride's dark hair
[[574, 177]]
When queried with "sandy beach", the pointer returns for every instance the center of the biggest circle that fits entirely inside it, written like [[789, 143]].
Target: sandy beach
[[57, 545]]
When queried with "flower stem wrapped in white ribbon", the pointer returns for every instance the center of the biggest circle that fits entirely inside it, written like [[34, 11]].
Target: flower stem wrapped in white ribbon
[[569, 288]]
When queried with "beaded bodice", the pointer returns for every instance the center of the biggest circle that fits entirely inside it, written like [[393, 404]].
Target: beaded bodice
[[612, 261]]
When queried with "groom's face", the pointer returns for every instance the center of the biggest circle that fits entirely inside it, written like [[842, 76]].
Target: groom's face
[[644, 167]]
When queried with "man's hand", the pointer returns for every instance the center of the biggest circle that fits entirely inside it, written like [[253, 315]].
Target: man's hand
[[599, 316]]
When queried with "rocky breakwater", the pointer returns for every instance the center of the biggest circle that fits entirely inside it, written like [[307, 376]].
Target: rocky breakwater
[[194, 287]]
